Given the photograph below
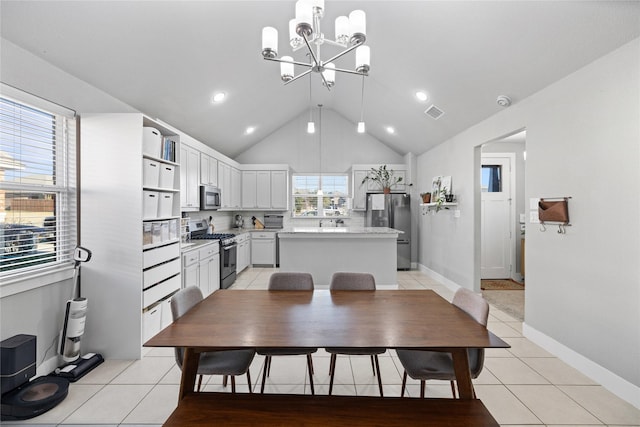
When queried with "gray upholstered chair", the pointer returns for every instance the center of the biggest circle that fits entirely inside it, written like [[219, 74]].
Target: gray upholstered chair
[[224, 362], [434, 365], [344, 281], [288, 281]]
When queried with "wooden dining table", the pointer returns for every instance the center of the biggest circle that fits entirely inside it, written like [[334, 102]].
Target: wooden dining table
[[416, 319]]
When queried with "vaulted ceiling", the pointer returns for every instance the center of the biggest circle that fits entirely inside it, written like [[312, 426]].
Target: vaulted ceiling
[[167, 58]]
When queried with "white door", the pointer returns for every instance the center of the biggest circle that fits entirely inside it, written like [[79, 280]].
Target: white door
[[496, 216]]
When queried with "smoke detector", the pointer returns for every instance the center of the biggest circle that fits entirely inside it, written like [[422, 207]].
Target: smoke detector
[[503, 101]]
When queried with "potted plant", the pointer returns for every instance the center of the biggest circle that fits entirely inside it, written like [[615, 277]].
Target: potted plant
[[384, 177], [426, 197]]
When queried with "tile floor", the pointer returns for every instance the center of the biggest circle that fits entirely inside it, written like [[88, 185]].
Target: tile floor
[[523, 385]]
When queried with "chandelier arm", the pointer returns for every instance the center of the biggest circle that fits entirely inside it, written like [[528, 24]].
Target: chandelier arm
[[344, 52], [326, 83], [304, 64], [313, 56], [298, 76], [343, 70], [335, 43]]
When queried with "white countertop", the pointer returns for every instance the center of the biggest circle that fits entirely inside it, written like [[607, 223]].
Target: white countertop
[[339, 230]]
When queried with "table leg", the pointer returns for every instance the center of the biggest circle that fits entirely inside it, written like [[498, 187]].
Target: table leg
[[463, 375], [189, 372]]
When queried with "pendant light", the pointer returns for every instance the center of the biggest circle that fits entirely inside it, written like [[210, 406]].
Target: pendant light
[[361, 128], [320, 149], [311, 128]]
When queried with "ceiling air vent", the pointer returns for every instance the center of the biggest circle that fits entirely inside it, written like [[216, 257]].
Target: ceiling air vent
[[434, 112]]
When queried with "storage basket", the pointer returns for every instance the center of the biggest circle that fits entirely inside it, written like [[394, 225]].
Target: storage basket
[[151, 142], [150, 173]]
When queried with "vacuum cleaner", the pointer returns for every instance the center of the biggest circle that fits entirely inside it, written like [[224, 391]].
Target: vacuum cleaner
[[23, 398], [75, 317]]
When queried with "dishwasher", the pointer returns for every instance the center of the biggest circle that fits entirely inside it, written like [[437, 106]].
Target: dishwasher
[[263, 248]]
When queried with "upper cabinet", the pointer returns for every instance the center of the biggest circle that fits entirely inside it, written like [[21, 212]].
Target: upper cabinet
[[229, 182], [208, 170], [360, 190], [264, 189], [189, 178]]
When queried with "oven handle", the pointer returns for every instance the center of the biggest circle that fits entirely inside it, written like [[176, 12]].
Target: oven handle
[[226, 248]]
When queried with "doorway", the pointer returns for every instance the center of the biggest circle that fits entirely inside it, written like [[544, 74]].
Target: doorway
[[500, 169]]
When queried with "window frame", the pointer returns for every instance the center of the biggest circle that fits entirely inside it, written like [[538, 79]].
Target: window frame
[[66, 194], [293, 195]]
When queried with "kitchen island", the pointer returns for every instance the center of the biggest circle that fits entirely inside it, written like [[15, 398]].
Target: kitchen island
[[323, 251]]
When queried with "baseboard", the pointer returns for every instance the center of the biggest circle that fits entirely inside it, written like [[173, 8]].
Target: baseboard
[[612, 382], [48, 366], [439, 277]]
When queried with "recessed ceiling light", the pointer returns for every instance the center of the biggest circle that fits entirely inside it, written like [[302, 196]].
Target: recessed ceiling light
[[218, 97], [390, 130], [250, 130], [422, 96]]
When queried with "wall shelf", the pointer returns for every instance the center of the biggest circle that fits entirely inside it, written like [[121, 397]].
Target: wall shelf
[[428, 207]]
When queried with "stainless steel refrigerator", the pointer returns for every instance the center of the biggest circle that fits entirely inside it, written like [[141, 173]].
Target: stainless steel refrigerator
[[393, 211]]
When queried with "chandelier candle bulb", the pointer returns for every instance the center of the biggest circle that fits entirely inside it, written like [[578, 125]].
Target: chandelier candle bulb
[[358, 25], [329, 73], [361, 128], [294, 39], [304, 16], [311, 127], [286, 69], [342, 30], [363, 59], [269, 42]]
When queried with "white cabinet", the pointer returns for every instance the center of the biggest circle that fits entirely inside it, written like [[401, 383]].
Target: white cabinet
[[135, 241], [359, 190], [208, 170], [279, 190], [229, 182], [264, 189], [244, 252], [236, 188], [256, 189], [201, 268], [189, 178], [263, 248]]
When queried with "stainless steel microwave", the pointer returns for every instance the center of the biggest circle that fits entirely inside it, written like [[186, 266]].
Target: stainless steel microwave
[[210, 198]]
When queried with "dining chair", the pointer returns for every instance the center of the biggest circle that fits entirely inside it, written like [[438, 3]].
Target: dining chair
[[435, 365], [347, 281], [224, 362], [288, 281]]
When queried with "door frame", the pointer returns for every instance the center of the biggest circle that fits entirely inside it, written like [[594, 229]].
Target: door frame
[[512, 208], [477, 232]]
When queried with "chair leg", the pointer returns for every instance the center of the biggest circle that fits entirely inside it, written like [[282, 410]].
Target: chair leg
[[331, 367], [373, 368], [225, 379], [378, 372], [332, 373], [249, 381], [422, 385], [199, 382], [404, 383], [453, 389], [310, 365], [268, 364], [233, 384], [264, 374]]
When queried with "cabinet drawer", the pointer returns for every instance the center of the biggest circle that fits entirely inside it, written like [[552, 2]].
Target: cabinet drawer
[[158, 255], [263, 235], [160, 272], [151, 322], [154, 294], [189, 258], [208, 251]]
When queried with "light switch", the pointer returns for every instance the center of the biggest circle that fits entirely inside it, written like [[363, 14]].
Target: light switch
[[533, 216], [523, 218], [533, 203]]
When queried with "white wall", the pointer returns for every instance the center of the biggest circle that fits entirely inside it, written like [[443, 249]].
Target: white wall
[[40, 311], [582, 288], [342, 146]]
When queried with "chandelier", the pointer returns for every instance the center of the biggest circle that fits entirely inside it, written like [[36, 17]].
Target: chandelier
[[304, 30]]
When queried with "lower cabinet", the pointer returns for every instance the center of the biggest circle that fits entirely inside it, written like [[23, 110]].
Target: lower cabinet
[[244, 252], [201, 268]]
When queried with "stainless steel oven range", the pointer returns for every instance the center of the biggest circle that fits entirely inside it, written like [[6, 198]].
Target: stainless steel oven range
[[228, 250]]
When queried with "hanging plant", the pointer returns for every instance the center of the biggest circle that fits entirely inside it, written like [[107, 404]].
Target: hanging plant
[[384, 177]]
